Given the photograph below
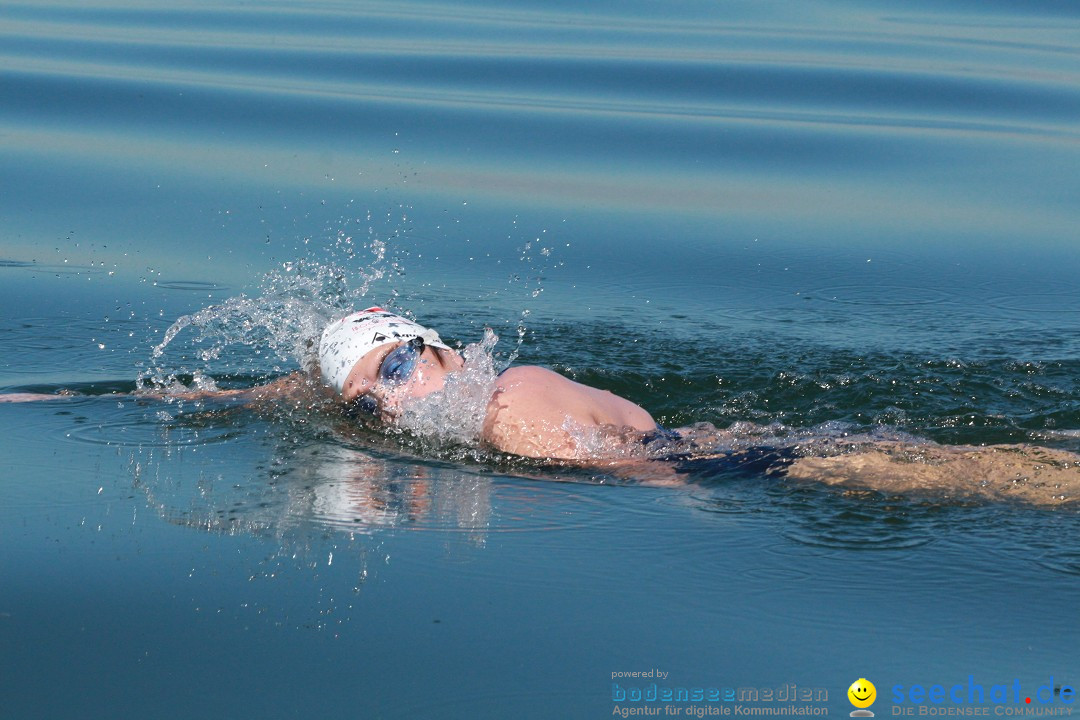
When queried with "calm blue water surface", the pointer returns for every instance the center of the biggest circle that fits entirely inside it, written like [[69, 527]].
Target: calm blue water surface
[[826, 217]]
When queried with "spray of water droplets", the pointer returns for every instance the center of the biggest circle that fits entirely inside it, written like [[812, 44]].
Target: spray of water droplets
[[455, 415], [258, 335]]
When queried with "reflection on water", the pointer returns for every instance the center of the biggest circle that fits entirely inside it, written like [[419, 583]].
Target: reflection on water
[[314, 473], [327, 485]]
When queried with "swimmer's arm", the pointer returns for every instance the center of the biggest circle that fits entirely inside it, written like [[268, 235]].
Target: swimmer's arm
[[295, 387], [30, 397], [640, 471], [282, 388]]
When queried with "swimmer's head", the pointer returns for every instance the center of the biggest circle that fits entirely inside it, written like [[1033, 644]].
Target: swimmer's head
[[347, 341]]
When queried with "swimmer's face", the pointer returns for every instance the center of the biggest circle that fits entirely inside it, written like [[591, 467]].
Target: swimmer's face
[[370, 377]]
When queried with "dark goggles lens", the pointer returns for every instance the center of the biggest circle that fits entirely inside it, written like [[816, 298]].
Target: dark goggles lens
[[400, 363], [397, 367]]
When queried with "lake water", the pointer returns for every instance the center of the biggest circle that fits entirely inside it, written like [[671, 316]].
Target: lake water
[[785, 219]]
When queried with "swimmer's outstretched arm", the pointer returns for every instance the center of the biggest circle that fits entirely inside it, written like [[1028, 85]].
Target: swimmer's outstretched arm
[[29, 397], [193, 395], [282, 387]]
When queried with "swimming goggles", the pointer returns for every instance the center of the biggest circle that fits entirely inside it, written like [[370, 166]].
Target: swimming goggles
[[400, 363], [396, 369]]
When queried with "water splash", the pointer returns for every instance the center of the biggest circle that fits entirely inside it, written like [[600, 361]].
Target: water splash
[[537, 256], [454, 416], [283, 320], [260, 335], [252, 337]]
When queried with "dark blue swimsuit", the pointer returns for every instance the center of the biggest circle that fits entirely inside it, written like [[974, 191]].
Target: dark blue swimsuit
[[767, 460]]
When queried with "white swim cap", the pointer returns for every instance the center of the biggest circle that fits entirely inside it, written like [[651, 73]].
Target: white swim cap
[[352, 337]]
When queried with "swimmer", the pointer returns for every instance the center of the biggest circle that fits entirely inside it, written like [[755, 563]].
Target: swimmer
[[374, 363]]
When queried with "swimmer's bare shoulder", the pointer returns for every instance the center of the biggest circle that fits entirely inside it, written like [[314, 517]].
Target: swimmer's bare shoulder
[[534, 410]]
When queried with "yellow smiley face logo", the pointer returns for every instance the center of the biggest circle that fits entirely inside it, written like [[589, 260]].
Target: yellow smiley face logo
[[862, 693]]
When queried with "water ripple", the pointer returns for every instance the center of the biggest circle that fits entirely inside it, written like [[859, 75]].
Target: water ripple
[[193, 285], [1039, 302], [140, 432], [892, 295], [858, 520]]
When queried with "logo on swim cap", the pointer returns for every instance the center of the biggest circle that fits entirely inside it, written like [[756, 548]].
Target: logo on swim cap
[[352, 337]]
